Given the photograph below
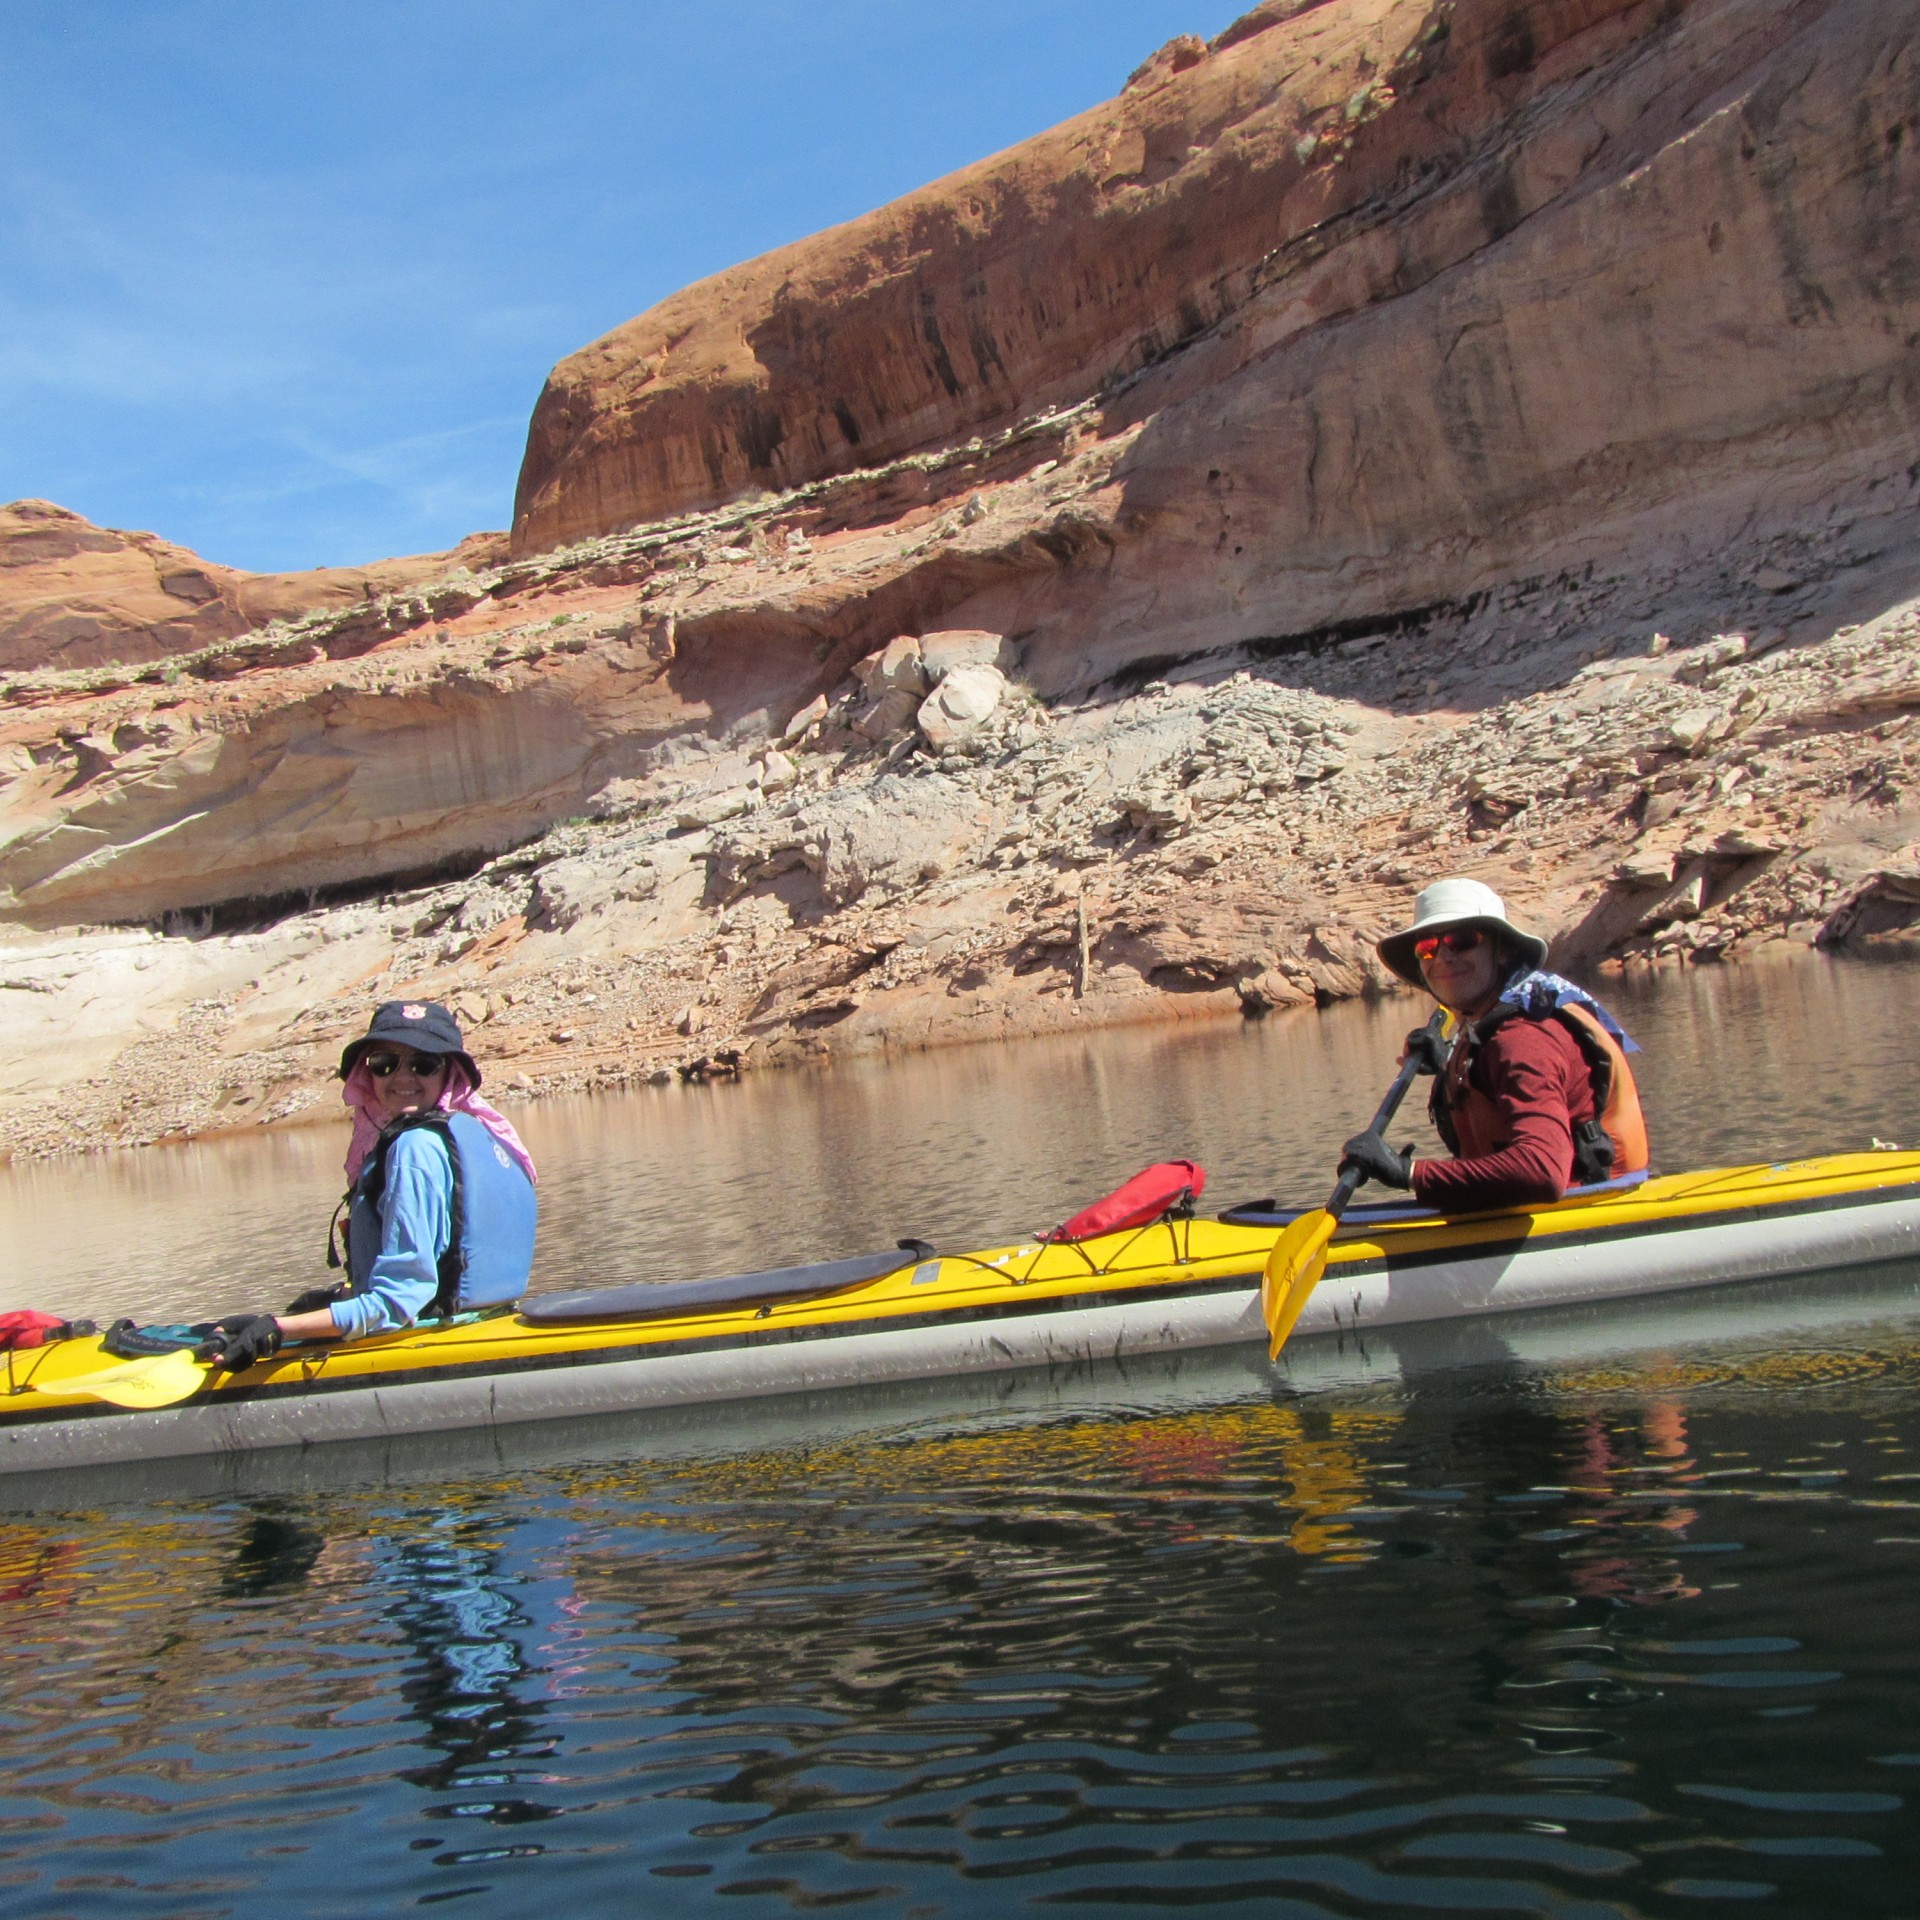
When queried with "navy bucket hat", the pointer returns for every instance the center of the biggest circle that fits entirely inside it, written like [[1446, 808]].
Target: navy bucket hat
[[424, 1026]]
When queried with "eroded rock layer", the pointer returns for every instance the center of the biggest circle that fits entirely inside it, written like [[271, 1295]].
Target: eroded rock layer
[[1226, 838]]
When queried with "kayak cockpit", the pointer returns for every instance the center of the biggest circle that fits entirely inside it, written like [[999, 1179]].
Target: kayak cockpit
[[649, 1300], [1393, 1213]]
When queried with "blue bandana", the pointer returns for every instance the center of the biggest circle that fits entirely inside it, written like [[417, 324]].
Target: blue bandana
[[1537, 992]]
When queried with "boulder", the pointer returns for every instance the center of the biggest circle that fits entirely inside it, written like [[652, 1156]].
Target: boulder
[[889, 716], [963, 647], [809, 717], [1647, 867], [568, 890], [1219, 790], [709, 809], [1696, 727], [897, 834], [885, 838], [964, 698], [895, 668]]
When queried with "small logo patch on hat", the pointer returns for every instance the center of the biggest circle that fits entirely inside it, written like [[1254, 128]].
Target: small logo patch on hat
[[413, 1013]]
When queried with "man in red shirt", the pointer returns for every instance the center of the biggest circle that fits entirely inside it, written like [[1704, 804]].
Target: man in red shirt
[[1534, 1094]]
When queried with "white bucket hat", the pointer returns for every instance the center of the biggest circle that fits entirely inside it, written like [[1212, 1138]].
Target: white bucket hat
[[1456, 903]]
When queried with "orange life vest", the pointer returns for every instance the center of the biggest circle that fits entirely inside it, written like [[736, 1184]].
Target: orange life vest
[[1613, 1143]]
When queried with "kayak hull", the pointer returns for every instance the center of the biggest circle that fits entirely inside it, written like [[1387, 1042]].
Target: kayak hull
[[1191, 1285]]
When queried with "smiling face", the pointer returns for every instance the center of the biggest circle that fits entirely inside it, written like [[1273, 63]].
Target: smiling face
[[1464, 968], [403, 1081]]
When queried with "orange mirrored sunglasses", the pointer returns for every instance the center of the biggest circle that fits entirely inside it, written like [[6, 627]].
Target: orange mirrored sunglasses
[[1455, 940]]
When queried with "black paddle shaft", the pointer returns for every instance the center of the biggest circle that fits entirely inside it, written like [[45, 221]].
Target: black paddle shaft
[[1409, 1072]]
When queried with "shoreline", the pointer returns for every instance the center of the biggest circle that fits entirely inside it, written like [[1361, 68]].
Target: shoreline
[[1229, 838], [1132, 1013]]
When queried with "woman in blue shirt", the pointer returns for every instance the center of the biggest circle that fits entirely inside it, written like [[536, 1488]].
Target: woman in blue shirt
[[440, 1207]]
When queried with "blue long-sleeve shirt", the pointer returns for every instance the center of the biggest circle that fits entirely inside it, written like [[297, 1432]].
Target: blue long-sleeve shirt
[[416, 1227]]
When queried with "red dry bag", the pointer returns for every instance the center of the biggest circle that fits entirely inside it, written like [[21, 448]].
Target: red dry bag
[[1150, 1193], [25, 1328]]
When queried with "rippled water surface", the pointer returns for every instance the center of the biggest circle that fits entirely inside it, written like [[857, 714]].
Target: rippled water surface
[[1609, 1615], [1535, 1643]]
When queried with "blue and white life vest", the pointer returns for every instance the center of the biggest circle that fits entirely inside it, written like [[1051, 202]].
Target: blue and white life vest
[[494, 1211]]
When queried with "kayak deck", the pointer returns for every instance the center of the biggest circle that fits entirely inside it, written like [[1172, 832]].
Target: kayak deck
[[1172, 1254], [657, 1300]]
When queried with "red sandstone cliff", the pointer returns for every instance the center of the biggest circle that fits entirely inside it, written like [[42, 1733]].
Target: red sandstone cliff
[[1399, 136], [1377, 304], [76, 595]]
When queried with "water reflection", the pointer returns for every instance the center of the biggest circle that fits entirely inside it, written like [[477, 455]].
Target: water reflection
[[1491, 1646], [274, 1554], [452, 1602], [1553, 1644]]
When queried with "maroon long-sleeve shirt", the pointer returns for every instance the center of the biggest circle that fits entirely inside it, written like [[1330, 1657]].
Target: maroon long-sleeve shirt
[[1528, 1089]]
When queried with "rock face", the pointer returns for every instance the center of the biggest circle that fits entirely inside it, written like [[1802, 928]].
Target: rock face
[[1522, 291], [1038, 277], [1392, 283], [76, 595], [1676, 306]]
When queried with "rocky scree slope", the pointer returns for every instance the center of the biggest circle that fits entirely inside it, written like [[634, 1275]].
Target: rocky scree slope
[[1227, 839]]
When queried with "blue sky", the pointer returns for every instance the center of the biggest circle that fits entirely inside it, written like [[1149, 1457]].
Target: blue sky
[[282, 281]]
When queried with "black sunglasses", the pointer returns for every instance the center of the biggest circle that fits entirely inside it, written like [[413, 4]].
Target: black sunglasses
[[384, 1065]]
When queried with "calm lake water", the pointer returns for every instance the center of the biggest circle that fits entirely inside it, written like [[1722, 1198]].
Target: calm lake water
[[1613, 1615]]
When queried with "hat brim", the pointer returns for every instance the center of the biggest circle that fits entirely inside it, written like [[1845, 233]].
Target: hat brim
[[1397, 956], [355, 1048]]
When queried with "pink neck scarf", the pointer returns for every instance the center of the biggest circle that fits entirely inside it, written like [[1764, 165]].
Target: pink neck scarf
[[458, 1095]]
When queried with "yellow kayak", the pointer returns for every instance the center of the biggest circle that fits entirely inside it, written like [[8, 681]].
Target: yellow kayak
[[913, 1313]]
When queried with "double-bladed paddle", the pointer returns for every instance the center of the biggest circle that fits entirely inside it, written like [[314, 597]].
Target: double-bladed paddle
[[1299, 1256], [160, 1380]]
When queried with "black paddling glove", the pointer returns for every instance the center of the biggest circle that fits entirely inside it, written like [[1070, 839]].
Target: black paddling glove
[[1426, 1050], [1375, 1160], [240, 1340]]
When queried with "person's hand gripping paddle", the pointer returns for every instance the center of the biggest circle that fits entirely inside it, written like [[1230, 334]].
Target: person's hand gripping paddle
[[1299, 1256]]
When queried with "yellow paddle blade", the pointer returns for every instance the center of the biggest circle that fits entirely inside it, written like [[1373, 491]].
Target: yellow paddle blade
[[1294, 1267], [162, 1381]]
